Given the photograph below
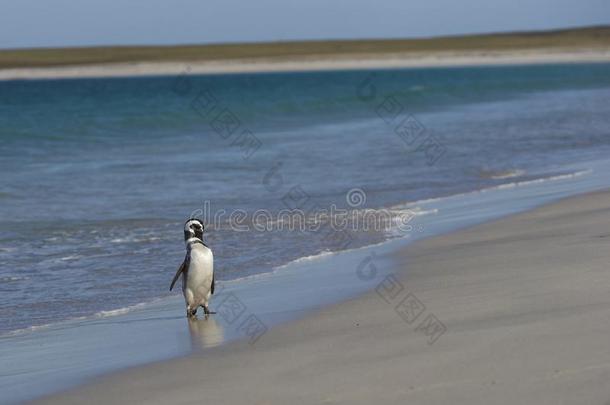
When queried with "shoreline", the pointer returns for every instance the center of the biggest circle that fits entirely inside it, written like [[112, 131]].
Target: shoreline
[[507, 292], [88, 351], [327, 63]]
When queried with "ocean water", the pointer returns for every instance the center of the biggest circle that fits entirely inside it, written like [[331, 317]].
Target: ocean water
[[99, 175]]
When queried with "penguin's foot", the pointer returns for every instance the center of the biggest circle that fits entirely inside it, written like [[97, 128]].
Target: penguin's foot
[[206, 310], [191, 313]]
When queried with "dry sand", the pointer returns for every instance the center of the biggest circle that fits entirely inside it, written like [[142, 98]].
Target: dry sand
[[526, 303], [364, 61]]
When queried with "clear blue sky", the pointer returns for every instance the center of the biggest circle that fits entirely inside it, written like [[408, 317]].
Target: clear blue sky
[[44, 23]]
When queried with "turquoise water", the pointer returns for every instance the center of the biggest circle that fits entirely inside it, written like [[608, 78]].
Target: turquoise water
[[99, 175]]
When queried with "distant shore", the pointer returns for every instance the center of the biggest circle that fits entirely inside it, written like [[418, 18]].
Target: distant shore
[[591, 44], [390, 61]]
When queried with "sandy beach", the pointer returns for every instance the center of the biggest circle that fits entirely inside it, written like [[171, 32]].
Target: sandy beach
[[296, 64], [524, 301], [405, 204]]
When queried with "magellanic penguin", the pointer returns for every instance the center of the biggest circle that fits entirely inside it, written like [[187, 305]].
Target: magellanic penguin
[[197, 269]]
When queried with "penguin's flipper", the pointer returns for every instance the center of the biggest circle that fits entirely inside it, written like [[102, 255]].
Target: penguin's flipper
[[212, 290], [182, 268]]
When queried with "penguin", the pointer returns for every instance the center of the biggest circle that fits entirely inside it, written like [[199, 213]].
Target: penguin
[[197, 270]]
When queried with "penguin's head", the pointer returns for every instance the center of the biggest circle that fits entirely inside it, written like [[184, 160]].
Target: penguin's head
[[193, 228]]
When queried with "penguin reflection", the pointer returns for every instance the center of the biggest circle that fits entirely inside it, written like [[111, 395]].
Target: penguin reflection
[[205, 332]]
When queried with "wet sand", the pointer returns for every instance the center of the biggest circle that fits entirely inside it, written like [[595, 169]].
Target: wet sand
[[525, 301]]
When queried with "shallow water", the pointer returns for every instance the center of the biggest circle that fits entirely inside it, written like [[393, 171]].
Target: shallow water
[[65, 354], [99, 175]]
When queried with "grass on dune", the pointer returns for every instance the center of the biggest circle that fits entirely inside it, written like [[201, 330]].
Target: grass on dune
[[578, 38]]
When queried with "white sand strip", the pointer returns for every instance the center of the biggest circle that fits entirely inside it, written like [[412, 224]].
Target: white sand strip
[[365, 61]]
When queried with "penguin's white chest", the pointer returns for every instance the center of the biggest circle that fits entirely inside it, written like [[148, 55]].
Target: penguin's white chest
[[199, 275]]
